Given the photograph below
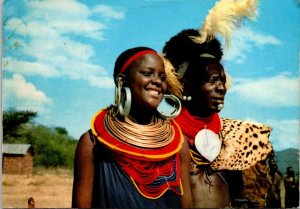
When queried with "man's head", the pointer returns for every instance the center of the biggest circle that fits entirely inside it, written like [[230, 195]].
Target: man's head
[[272, 165], [290, 172], [199, 70]]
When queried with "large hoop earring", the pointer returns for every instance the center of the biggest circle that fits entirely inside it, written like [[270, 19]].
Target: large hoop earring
[[122, 98], [176, 105]]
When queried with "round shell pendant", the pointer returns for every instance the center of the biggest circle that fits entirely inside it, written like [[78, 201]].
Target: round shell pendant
[[208, 144]]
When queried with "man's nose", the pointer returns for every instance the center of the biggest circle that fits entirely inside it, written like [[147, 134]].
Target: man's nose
[[221, 86]]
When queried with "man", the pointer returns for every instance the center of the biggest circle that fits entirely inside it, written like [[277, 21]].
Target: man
[[216, 145]]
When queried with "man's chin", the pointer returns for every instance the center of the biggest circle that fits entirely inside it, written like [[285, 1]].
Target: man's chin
[[215, 109]]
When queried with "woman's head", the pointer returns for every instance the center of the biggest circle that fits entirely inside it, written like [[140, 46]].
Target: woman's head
[[142, 70], [199, 70]]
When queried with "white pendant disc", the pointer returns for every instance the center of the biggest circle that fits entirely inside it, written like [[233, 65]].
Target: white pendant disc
[[208, 144]]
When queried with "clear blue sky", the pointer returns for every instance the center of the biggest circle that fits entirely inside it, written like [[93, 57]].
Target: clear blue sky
[[63, 62]]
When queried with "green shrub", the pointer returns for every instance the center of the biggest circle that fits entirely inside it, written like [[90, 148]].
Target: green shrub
[[52, 147]]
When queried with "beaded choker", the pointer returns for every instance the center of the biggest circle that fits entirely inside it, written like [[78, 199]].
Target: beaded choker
[[121, 145], [191, 125], [201, 134], [153, 168], [157, 134]]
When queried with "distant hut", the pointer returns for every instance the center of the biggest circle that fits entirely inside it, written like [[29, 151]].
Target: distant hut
[[17, 159]]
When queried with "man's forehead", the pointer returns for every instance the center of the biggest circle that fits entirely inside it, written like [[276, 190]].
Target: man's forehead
[[216, 71]]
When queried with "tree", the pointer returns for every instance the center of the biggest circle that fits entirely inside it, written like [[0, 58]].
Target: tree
[[8, 43], [61, 130], [13, 121], [53, 147]]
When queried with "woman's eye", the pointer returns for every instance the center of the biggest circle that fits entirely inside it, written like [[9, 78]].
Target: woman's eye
[[146, 73], [163, 77]]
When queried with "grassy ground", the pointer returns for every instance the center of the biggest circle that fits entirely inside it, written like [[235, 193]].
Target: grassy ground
[[50, 188]]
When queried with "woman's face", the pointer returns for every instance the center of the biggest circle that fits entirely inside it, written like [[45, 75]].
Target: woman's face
[[146, 79], [209, 94]]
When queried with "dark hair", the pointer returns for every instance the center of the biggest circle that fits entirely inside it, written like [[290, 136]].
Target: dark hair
[[290, 171], [181, 48], [126, 55]]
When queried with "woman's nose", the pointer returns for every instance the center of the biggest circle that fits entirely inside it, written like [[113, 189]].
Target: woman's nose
[[157, 80]]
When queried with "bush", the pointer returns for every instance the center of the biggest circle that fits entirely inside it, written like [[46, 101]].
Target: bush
[[52, 147]]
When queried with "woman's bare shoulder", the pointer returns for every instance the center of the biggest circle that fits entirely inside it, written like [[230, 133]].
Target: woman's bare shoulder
[[84, 145]]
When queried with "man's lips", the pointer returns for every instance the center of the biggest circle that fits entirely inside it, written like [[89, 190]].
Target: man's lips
[[218, 103], [218, 100]]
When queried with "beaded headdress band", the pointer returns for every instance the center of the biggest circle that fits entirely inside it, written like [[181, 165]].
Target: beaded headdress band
[[134, 57], [130, 55]]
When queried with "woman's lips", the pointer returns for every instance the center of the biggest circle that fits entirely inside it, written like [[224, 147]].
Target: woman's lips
[[154, 92]]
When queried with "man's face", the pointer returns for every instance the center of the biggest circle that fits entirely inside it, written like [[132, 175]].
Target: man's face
[[147, 82], [290, 172], [272, 164], [209, 94]]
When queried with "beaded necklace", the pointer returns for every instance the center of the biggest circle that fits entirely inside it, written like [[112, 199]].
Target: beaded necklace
[[153, 168], [202, 136], [157, 134]]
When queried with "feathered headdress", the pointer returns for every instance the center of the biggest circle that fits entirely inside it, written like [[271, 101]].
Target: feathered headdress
[[198, 45], [224, 17]]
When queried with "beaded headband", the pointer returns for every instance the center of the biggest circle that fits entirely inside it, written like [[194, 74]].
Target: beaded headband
[[134, 57]]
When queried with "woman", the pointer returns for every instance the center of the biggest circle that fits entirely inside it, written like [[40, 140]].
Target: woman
[[132, 157], [216, 144]]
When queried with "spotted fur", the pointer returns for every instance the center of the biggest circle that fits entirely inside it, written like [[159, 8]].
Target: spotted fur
[[244, 144]]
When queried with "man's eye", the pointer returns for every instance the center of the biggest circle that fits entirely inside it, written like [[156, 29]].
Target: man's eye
[[212, 80]]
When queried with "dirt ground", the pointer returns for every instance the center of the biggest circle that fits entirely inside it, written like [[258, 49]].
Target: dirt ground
[[49, 188]]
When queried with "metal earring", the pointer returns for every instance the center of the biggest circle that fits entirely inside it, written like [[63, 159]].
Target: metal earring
[[122, 98], [220, 106], [176, 105], [187, 98]]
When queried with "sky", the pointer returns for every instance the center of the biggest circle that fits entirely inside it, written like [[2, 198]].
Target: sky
[[58, 58]]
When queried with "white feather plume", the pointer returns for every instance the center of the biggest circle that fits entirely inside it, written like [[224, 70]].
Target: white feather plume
[[224, 17]]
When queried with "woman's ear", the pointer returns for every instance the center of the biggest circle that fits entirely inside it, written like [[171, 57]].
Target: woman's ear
[[120, 78]]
